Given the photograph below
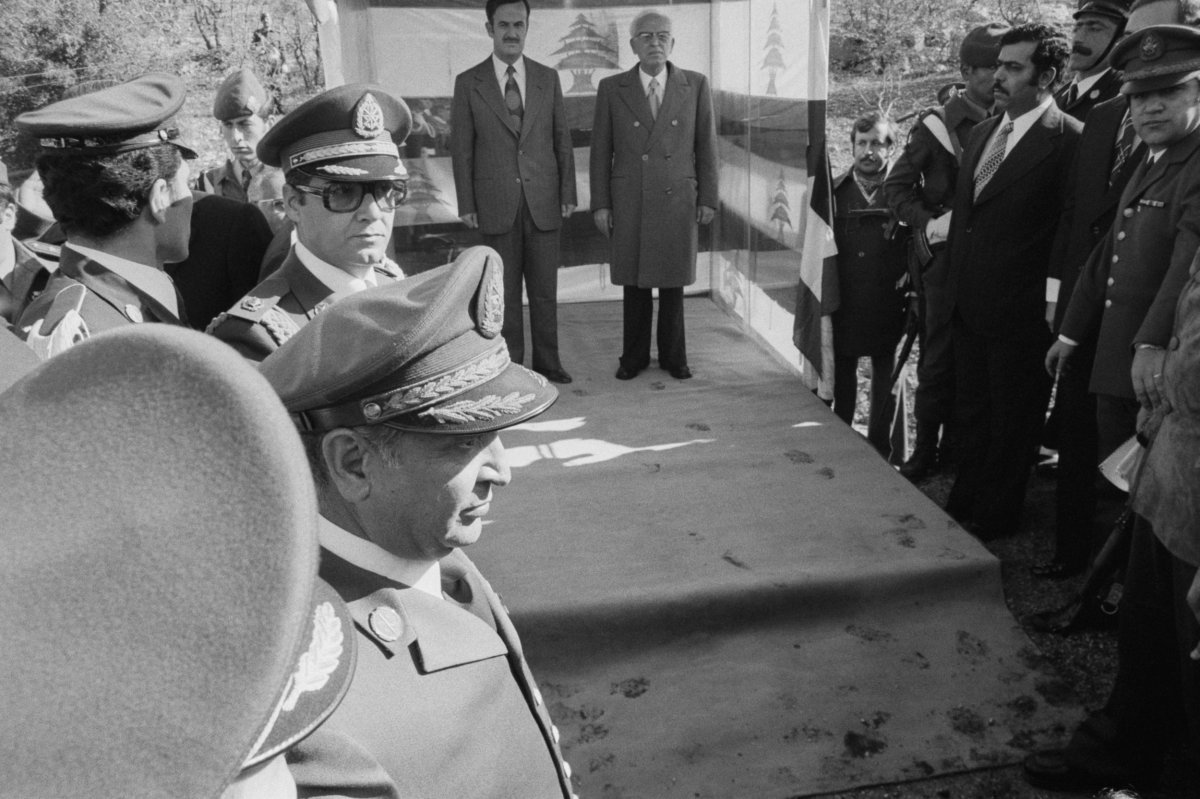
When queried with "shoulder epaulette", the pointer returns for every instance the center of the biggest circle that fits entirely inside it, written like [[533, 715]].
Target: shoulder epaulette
[[255, 305], [49, 252]]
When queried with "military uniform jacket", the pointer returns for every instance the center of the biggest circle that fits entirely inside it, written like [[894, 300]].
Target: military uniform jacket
[[442, 696], [1094, 206], [277, 307], [1104, 89], [495, 162], [97, 296], [222, 181], [1130, 284], [1001, 243], [920, 185], [652, 173], [27, 278], [870, 260]]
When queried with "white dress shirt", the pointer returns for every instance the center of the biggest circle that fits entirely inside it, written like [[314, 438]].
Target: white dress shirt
[[518, 74], [338, 281]]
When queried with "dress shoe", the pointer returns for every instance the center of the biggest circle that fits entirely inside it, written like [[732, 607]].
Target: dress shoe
[[1051, 770], [1056, 569], [921, 464], [558, 375], [627, 373], [680, 372]]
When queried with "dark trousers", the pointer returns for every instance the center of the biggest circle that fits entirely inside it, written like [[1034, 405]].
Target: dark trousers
[[638, 310], [1077, 530], [531, 257], [933, 406], [883, 402], [1001, 390], [1155, 700]]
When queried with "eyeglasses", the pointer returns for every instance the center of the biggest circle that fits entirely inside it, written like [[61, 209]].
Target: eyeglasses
[[345, 198], [662, 37]]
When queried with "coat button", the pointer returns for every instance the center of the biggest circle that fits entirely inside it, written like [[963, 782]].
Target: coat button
[[1108, 303], [637, 124], [1116, 258], [645, 157], [554, 733], [135, 314], [386, 624], [674, 121], [862, 254], [1174, 343], [1128, 212], [537, 698], [567, 769], [1112, 280], [1121, 236], [518, 180]]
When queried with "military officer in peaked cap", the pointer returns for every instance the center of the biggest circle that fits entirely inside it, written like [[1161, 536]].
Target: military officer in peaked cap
[[1099, 25], [400, 393], [243, 109], [147, 651], [116, 178], [343, 182]]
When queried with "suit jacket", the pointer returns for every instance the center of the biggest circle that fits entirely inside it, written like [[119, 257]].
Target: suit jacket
[[1000, 244], [1094, 202], [1129, 286], [1103, 90], [442, 696], [226, 247], [495, 162], [19, 287], [652, 173], [102, 299], [277, 307]]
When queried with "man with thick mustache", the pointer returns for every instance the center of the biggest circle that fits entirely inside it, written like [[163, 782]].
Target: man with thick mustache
[[1099, 25], [344, 180], [1007, 204]]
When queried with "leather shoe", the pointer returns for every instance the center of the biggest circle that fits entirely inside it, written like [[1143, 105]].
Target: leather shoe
[[1050, 769], [1055, 569], [558, 375], [627, 373], [921, 464], [680, 372]]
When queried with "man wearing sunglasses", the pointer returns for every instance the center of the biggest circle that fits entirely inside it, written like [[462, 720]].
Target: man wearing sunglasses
[[343, 182]]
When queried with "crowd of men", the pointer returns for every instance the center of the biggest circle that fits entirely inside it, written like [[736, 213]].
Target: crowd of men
[[1048, 229], [1048, 215]]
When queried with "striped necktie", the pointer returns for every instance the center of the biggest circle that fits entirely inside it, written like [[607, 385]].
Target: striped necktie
[[1123, 149], [512, 97], [991, 161]]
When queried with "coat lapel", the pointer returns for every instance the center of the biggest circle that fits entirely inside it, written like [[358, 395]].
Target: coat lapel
[[489, 90], [630, 91], [1034, 147], [537, 95], [1149, 174], [674, 96]]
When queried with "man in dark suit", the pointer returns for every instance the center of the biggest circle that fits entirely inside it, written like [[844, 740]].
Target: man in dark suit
[[514, 173], [1009, 198], [1099, 25], [119, 233], [920, 191], [401, 393], [1109, 151], [345, 180]]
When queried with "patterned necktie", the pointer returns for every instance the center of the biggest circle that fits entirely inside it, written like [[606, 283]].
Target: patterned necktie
[[1124, 147], [991, 161], [652, 95], [246, 178], [512, 97]]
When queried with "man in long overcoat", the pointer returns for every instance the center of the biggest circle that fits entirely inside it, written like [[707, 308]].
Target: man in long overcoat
[[654, 179]]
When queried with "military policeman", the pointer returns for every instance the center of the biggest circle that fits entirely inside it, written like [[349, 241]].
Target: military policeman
[[116, 178], [243, 109], [400, 392], [344, 181], [148, 651], [1099, 25], [920, 190]]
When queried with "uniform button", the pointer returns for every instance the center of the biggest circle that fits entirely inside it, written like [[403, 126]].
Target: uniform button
[[518, 180], [135, 314], [537, 697], [1116, 258], [674, 121], [645, 157], [386, 624], [1174, 343], [862, 254], [1108, 303], [637, 124], [1112, 280], [1128, 212], [567, 769], [1121, 236], [554, 733]]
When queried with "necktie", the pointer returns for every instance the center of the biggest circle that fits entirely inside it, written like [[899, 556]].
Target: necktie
[[246, 177], [652, 95], [512, 97], [1072, 95], [991, 161], [1124, 147]]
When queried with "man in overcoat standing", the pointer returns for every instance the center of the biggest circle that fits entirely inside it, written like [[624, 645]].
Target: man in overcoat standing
[[654, 180], [514, 173], [1007, 204]]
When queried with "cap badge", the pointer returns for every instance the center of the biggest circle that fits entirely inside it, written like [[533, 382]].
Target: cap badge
[[491, 311], [1151, 48], [321, 660], [251, 304], [253, 104], [368, 117], [386, 624]]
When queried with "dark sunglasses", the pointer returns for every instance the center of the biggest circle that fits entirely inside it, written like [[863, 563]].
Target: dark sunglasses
[[344, 198]]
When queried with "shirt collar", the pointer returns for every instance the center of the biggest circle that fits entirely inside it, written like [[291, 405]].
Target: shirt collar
[[1023, 123], [1083, 84], [338, 281], [647, 77], [422, 575], [150, 281], [501, 69]]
